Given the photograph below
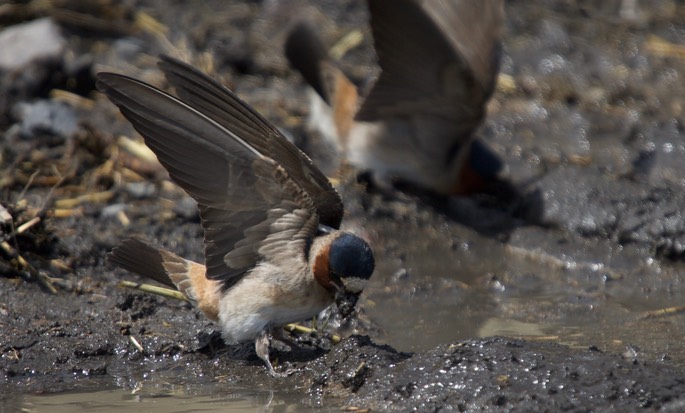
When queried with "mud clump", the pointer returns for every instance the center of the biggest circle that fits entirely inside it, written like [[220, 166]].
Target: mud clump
[[489, 374]]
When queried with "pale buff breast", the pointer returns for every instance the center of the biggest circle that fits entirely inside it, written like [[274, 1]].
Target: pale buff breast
[[268, 298]]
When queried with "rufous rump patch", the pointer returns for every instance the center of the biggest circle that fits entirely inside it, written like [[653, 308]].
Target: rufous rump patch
[[344, 104], [189, 278], [207, 291]]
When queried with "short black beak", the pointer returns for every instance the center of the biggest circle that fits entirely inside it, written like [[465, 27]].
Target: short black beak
[[346, 301]]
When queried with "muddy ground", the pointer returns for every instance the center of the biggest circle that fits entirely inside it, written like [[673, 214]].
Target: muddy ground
[[582, 258]]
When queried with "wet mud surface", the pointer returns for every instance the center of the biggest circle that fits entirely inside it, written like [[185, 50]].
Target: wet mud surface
[[580, 265]]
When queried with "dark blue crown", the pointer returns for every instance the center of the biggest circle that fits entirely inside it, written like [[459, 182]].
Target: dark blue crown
[[350, 256]]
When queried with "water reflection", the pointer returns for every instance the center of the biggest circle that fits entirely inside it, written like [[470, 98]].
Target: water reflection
[[116, 400]]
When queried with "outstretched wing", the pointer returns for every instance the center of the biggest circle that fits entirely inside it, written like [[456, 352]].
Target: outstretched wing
[[437, 58], [248, 202], [214, 100]]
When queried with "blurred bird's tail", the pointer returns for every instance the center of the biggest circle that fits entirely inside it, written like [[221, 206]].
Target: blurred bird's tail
[[307, 54], [169, 269]]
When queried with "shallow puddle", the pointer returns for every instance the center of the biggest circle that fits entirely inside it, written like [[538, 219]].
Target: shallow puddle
[[169, 401], [453, 284]]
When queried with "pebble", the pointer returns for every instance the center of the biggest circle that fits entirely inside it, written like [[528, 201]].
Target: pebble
[[46, 117], [25, 43]]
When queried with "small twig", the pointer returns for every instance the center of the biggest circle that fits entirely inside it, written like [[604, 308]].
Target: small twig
[[534, 338], [346, 43], [298, 329], [95, 197], [67, 212], [663, 312], [136, 344], [355, 409], [105, 169], [27, 185], [51, 193], [661, 47], [123, 218], [26, 225], [149, 24], [43, 279], [131, 175], [72, 99], [137, 149], [153, 289], [60, 265]]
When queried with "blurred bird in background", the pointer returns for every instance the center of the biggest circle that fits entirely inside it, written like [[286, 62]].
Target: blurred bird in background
[[439, 62]]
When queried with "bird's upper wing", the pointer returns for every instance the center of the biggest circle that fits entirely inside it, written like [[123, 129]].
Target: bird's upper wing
[[438, 57], [250, 205], [222, 106]]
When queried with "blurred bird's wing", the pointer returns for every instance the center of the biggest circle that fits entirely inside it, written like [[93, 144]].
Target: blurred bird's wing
[[437, 58], [250, 206]]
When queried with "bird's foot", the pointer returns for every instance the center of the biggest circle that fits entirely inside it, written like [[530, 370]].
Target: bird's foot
[[280, 374], [262, 349]]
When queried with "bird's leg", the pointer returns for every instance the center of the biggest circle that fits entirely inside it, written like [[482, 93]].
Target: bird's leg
[[261, 345]]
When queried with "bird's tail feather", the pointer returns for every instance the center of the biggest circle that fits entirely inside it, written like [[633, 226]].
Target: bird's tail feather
[[307, 54], [165, 267], [138, 257]]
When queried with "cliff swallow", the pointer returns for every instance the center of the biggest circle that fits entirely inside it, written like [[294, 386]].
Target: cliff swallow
[[273, 252], [439, 62]]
